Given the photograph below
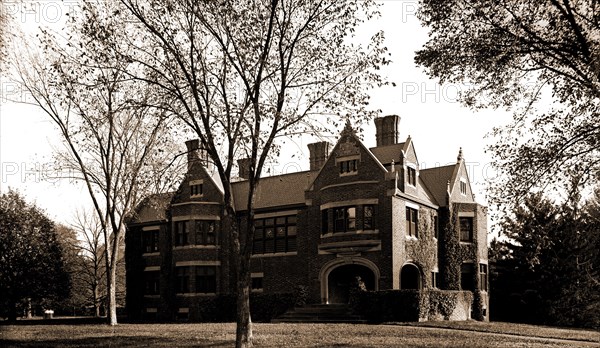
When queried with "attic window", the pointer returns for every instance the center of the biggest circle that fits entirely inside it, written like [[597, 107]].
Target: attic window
[[463, 187], [196, 188], [411, 176], [350, 166]]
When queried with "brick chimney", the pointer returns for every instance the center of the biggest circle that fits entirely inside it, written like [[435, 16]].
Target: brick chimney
[[318, 154], [244, 168], [387, 130], [193, 153]]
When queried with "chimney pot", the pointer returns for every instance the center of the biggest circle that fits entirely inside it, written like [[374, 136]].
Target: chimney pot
[[244, 168]]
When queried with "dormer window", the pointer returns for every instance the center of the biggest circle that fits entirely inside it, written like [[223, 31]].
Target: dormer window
[[350, 166], [196, 188], [411, 176]]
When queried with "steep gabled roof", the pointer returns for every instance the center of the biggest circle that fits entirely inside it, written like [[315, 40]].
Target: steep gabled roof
[[436, 180], [152, 208], [387, 154], [274, 191]]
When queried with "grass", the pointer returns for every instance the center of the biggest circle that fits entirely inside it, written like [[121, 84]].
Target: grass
[[430, 334]]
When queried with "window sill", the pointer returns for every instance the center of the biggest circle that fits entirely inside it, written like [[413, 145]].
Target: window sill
[[349, 173], [195, 246], [257, 290], [349, 233], [154, 253], [196, 294], [466, 242], [411, 238], [291, 253], [151, 296]]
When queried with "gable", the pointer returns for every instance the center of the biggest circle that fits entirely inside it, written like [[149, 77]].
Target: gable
[[349, 161], [199, 185], [456, 194]]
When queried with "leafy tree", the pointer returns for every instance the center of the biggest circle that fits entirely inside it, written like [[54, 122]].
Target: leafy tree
[[241, 74], [30, 254], [520, 54], [112, 128], [547, 272]]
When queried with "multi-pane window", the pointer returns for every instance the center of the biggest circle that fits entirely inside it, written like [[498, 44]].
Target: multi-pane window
[[181, 233], [412, 222], [205, 232], [206, 279], [436, 227], [350, 166], [275, 235], [368, 217], [435, 279], [150, 241], [344, 219], [411, 176], [466, 277], [483, 277], [182, 280], [463, 187], [466, 229], [196, 190], [152, 282]]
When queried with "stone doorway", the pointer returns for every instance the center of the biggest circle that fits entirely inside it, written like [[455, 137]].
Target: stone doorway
[[342, 278]]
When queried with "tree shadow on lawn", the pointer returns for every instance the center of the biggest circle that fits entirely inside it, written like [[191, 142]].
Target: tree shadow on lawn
[[56, 321], [113, 341]]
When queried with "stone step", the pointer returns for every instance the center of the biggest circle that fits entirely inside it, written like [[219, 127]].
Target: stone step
[[320, 313]]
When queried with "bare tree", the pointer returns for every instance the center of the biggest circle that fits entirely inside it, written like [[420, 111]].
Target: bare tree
[[111, 127], [242, 74]]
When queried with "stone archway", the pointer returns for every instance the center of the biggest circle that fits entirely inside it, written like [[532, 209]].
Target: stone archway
[[338, 276], [410, 277]]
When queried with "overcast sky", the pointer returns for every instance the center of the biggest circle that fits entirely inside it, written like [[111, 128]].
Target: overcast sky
[[429, 113]]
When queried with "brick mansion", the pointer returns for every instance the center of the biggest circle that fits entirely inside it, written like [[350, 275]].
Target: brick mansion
[[358, 211]]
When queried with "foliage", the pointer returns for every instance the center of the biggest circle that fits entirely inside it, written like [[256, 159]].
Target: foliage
[[547, 272], [32, 259], [423, 250], [520, 54]]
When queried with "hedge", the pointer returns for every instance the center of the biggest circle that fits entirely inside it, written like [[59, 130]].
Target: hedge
[[263, 307], [413, 305]]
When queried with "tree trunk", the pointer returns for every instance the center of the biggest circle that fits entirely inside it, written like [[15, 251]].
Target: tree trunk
[[111, 314], [244, 322], [96, 301]]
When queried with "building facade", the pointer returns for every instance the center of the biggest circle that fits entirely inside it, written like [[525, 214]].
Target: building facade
[[372, 213]]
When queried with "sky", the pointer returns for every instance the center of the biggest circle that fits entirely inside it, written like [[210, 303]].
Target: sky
[[430, 113]]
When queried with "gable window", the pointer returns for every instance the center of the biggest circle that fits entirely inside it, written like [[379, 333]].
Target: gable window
[[205, 232], [181, 233], [275, 235], [152, 282], [206, 279], [196, 188], [350, 166], [368, 222], [411, 176], [412, 222], [150, 241], [182, 277], [466, 229], [483, 277], [463, 187], [345, 219]]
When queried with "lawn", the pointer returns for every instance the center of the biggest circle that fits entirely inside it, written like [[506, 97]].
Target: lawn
[[431, 334]]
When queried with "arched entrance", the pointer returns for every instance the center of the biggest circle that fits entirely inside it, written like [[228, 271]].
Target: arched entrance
[[342, 278], [338, 276], [410, 277]]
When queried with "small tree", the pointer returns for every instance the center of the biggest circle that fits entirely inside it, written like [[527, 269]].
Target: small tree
[[30, 254]]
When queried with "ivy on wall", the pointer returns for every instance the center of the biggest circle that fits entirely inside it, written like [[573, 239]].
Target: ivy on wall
[[423, 250]]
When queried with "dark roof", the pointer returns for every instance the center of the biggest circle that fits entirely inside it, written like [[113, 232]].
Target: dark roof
[[436, 179], [152, 208], [385, 154], [274, 191]]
